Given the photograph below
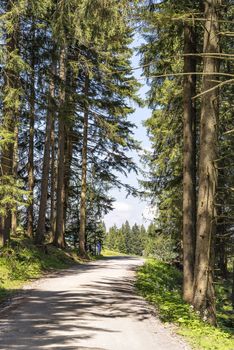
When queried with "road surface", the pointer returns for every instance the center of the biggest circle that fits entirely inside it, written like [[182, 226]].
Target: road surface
[[87, 307]]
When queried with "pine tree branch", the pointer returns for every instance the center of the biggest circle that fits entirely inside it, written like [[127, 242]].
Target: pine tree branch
[[166, 75], [229, 132], [221, 56], [214, 87], [229, 34]]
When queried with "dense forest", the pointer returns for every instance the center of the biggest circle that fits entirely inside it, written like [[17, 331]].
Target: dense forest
[[188, 59], [67, 88], [137, 240]]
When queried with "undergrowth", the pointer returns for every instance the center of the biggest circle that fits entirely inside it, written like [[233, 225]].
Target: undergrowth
[[22, 261], [161, 284]]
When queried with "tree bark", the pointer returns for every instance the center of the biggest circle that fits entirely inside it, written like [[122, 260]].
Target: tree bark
[[189, 166], [59, 239], [53, 182], [233, 284], [68, 158], [204, 296], [15, 174], [70, 87], [82, 231], [40, 232], [31, 140]]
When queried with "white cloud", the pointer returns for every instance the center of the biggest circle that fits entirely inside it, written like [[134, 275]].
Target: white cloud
[[131, 209], [122, 207]]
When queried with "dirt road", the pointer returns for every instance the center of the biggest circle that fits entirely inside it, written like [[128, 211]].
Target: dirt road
[[87, 307]]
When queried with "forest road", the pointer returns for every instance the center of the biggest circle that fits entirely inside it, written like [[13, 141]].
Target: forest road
[[88, 307]]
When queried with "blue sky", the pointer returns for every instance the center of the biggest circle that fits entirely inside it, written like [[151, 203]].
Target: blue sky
[[133, 209]]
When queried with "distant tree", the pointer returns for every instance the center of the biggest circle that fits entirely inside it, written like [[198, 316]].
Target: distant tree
[[127, 239]]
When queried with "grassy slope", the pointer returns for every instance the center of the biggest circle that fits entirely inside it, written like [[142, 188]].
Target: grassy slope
[[107, 252], [22, 262], [161, 284]]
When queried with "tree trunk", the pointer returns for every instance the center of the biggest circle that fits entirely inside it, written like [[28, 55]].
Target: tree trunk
[[68, 158], [204, 297], [70, 86], [31, 140], [189, 168], [15, 174], [40, 233], [59, 239], [53, 182], [233, 284], [82, 245]]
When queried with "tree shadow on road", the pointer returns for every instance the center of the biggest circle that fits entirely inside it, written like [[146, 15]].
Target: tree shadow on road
[[60, 319]]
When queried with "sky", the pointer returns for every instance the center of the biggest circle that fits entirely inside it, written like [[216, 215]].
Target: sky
[[130, 208]]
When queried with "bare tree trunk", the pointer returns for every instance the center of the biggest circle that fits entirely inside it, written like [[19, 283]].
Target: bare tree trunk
[[70, 86], [82, 231], [189, 168], [31, 140], [233, 284], [59, 239], [15, 174], [40, 233], [204, 296], [53, 181], [68, 158]]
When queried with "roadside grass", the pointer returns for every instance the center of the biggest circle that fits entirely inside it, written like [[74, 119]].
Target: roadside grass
[[161, 285], [107, 252], [22, 261]]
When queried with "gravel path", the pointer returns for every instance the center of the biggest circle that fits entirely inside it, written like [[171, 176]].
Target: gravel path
[[90, 307]]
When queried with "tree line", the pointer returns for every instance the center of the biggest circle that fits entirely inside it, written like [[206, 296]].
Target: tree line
[[66, 91], [141, 241], [187, 59]]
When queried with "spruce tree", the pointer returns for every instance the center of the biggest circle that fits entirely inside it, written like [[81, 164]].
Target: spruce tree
[[10, 192], [189, 161], [204, 299]]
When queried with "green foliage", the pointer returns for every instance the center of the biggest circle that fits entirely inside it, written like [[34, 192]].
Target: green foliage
[[162, 57], [137, 240], [107, 252], [22, 261], [225, 312], [161, 247], [161, 53], [12, 194], [95, 37], [127, 240], [95, 233], [161, 284]]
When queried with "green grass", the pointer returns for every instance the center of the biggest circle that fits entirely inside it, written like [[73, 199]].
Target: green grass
[[161, 284], [22, 261], [107, 252]]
